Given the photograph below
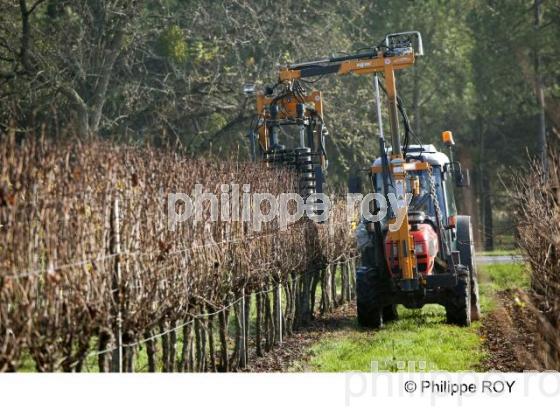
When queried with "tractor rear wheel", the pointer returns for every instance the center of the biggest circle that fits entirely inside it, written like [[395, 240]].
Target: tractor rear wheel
[[370, 312], [465, 246], [458, 305]]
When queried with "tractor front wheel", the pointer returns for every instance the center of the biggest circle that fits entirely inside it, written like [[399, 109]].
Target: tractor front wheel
[[458, 305], [370, 312]]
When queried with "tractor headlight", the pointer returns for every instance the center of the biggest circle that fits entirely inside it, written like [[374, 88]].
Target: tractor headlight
[[419, 249]]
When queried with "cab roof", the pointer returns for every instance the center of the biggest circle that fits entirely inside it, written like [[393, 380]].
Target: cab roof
[[426, 153]]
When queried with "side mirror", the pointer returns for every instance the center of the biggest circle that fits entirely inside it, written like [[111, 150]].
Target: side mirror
[[461, 177]]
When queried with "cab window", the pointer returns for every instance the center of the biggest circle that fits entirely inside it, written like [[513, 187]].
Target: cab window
[[424, 201], [449, 197]]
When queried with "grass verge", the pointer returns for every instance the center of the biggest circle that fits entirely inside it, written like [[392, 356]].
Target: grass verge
[[420, 339]]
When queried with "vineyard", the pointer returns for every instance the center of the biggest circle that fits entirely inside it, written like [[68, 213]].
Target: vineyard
[[92, 279], [348, 202], [538, 214]]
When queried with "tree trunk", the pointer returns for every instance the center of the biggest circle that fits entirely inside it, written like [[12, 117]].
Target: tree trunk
[[164, 347], [469, 204], [172, 347], [247, 317], [185, 363], [277, 314], [224, 363], [487, 222], [211, 343], [200, 335], [258, 324], [540, 92], [100, 92], [269, 323], [334, 297], [315, 281], [150, 351], [129, 354], [103, 358], [326, 291]]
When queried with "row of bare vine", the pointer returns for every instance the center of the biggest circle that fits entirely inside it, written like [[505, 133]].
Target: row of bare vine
[[537, 198], [92, 278]]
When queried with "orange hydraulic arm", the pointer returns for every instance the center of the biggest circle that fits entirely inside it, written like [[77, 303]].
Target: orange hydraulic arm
[[371, 62], [360, 64]]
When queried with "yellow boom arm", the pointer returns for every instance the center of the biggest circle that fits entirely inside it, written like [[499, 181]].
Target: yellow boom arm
[[369, 63]]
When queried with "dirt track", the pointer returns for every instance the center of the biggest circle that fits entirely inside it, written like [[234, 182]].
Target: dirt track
[[508, 335], [294, 352]]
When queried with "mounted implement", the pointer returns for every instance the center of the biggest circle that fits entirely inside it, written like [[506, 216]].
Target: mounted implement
[[421, 251], [283, 108]]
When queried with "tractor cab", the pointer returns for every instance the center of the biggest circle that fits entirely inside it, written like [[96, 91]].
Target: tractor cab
[[440, 179], [442, 249], [432, 205]]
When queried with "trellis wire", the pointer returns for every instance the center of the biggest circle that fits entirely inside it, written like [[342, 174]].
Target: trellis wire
[[206, 315]]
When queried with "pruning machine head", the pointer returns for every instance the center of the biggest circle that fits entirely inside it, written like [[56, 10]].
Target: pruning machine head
[[288, 106], [288, 130]]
